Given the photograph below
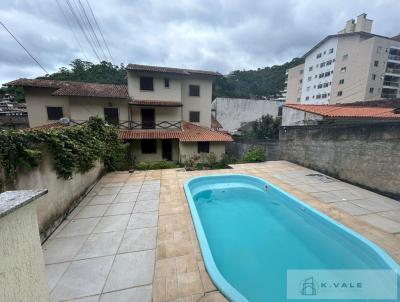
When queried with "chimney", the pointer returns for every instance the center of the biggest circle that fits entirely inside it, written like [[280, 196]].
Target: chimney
[[363, 24], [349, 26]]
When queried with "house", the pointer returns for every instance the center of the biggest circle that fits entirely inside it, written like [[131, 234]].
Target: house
[[302, 114], [164, 113], [349, 66], [233, 113]]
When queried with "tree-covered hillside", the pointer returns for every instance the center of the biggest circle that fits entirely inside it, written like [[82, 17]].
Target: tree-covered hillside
[[260, 83]]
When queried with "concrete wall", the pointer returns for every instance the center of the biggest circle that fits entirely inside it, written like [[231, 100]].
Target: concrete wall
[[189, 149], [294, 87], [233, 113], [294, 117], [37, 99], [22, 271], [63, 194], [366, 155]]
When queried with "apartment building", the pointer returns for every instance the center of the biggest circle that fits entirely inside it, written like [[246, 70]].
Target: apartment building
[[353, 65], [165, 113]]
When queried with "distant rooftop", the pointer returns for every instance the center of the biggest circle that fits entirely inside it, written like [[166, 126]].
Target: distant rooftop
[[171, 70]]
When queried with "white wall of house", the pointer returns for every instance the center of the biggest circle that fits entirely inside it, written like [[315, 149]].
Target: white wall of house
[[81, 108], [233, 113], [294, 117], [37, 99], [189, 149]]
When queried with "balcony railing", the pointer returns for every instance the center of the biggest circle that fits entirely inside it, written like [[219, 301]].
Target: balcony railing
[[135, 125], [389, 95], [394, 57], [391, 84], [393, 70]]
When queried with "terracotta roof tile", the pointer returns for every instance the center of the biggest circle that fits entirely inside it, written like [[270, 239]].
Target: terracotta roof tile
[[180, 71], [188, 133], [70, 88], [155, 103], [93, 90], [334, 111]]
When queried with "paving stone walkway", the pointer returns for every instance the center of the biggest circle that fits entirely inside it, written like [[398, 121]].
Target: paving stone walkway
[[132, 238]]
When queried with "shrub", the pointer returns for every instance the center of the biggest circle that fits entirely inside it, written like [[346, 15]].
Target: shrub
[[254, 154], [156, 165], [210, 160]]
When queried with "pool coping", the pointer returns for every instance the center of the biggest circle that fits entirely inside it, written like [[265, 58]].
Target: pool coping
[[221, 283]]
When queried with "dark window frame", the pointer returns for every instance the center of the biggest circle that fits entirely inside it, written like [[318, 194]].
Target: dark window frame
[[192, 116], [203, 147], [166, 83], [146, 86], [56, 115], [195, 92], [150, 147]]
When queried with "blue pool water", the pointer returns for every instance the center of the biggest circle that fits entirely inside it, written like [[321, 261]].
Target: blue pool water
[[250, 237]]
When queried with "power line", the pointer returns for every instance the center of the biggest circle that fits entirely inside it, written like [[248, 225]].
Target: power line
[[71, 28], [26, 50], [77, 20], [99, 29], [91, 29]]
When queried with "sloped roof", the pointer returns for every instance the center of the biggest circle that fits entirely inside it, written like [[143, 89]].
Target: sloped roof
[[215, 124], [188, 133], [179, 71], [155, 103], [355, 112], [71, 88]]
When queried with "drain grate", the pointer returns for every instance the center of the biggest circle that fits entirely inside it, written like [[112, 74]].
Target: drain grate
[[321, 177]]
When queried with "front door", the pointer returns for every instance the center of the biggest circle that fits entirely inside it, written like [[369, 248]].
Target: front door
[[111, 116], [148, 119], [166, 149]]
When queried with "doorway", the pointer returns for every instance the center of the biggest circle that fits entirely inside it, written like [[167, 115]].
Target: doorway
[[148, 118], [111, 116], [166, 145]]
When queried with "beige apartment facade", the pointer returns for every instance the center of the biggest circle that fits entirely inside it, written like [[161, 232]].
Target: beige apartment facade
[[353, 65], [294, 83], [164, 113]]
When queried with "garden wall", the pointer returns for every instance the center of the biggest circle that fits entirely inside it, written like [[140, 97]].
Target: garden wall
[[366, 155], [62, 195]]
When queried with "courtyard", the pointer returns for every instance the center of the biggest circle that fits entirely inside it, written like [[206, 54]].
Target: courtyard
[[132, 238]]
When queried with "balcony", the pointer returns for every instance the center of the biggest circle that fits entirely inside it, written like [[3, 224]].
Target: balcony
[[391, 84], [137, 125], [393, 70], [394, 57]]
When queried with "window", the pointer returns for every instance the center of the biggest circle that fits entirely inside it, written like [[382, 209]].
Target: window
[[310, 68], [316, 66], [307, 98], [326, 84], [341, 81], [194, 116], [345, 57], [301, 71], [146, 83], [379, 49], [203, 147], [54, 113], [322, 64], [300, 81], [194, 90], [324, 95], [371, 90], [316, 76], [339, 93], [324, 52], [319, 55], [374, 77], [319, 86], [321, 75], [327, 73], [308, 88], [376, 63], [329, 62], [149, 146], [331, 50], [166, 83], [309, 79], [343, 69], [318, 96]]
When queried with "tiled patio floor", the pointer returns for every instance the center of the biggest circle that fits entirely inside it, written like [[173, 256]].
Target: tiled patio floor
[[132, 238]]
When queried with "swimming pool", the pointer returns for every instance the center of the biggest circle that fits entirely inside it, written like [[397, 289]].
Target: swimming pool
[[251, 232]]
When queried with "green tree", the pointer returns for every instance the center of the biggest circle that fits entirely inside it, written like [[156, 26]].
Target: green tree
[[265, 127]]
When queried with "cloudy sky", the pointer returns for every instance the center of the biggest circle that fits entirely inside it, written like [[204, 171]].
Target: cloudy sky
[[222, 35]]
